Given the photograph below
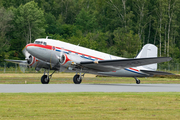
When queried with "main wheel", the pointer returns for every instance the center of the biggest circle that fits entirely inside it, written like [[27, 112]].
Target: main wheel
[[138, 81], [77, 79], [44, 79]]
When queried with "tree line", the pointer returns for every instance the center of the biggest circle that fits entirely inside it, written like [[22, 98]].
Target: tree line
[[118, 27]]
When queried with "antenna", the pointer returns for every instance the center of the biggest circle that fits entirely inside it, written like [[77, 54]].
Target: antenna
[[47, 37]]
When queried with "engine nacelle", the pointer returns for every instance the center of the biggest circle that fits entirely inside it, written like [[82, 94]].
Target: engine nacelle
[[31, 61], [64, 60]]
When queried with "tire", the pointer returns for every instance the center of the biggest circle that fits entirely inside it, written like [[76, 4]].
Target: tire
[[138, 81], [44, 79], [76, 79]]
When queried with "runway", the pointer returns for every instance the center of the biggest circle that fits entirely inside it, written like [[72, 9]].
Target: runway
[[52, 88]]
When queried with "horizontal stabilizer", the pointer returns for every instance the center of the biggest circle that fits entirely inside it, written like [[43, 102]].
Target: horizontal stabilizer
[[156, 72], [17, 61]]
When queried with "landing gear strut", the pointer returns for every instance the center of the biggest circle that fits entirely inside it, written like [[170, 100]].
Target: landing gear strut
[[137, 80], [46, 78]]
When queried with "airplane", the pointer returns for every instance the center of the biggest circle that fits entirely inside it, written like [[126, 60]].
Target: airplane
[[57, 55]]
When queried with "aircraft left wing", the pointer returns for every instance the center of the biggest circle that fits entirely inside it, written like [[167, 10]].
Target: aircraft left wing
[[156, 72], [17, 61], [111, 65]]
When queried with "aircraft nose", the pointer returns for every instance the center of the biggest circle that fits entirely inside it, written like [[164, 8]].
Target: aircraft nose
[[29, 48]]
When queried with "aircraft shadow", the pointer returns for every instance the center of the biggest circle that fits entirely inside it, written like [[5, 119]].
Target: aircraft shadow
[[132, 85]]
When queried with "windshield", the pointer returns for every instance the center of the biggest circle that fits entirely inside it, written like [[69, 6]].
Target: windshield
[[40, 42]]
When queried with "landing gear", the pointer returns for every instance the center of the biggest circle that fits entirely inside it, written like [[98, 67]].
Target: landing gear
[[137, 80], [77, 79], [46, 77]]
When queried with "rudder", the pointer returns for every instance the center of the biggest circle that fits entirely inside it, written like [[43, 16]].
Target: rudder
[[148, 50]]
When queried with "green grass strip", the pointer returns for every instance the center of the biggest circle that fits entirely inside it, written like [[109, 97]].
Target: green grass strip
[[81, 106], [67, 78]]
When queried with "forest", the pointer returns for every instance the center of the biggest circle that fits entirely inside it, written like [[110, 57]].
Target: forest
[[118, 27]]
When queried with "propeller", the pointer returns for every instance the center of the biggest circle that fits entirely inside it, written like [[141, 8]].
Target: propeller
[[61, 56], [26, 53], [28, 59], [22, 67]]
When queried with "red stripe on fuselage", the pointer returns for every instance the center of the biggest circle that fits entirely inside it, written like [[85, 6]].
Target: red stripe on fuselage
[[79, 53], [134, 69], [50, 48], [39, 45]]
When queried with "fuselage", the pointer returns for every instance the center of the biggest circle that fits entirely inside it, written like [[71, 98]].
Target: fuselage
[[49, 50]]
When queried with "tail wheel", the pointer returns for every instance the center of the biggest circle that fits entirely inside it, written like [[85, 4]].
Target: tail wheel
[[77, 79], [138, 81], [44, 79]]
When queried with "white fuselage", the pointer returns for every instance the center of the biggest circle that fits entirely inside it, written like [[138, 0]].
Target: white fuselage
[[48, 51]]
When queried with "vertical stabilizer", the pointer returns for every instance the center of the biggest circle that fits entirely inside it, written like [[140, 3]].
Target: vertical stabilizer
[[148, 50]]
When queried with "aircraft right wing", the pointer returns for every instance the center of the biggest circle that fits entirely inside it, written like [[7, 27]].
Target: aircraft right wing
[[111, 65]]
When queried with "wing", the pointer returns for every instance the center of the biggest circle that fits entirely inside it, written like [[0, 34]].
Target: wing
[[156, 72], [111, 65], [24, 51], [17, 61]]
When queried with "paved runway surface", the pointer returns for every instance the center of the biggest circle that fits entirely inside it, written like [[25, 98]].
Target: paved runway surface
[[50, 88]]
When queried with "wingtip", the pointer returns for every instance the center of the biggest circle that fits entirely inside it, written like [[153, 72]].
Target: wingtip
[[169, 59], [6, 60]]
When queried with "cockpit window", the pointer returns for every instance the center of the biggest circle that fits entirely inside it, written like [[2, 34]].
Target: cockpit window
[[37, 42], [40, 42]]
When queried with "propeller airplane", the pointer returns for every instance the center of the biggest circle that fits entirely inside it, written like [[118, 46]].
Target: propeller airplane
[[59, 56]]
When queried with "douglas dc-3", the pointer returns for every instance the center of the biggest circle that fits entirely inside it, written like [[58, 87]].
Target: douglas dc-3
[[60, 56]]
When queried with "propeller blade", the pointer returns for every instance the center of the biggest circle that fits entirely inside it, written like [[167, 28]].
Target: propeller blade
[[22, 67], [25, 52]]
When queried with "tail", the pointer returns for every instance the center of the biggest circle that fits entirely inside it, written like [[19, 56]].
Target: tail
[[148, 50]]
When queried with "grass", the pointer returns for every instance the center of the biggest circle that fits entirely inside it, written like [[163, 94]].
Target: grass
[[81, 106], [66, 78], [87, 106]]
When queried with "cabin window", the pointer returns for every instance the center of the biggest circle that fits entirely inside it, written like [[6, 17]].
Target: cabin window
[[96, 59], [44, 43], [89, 57]]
